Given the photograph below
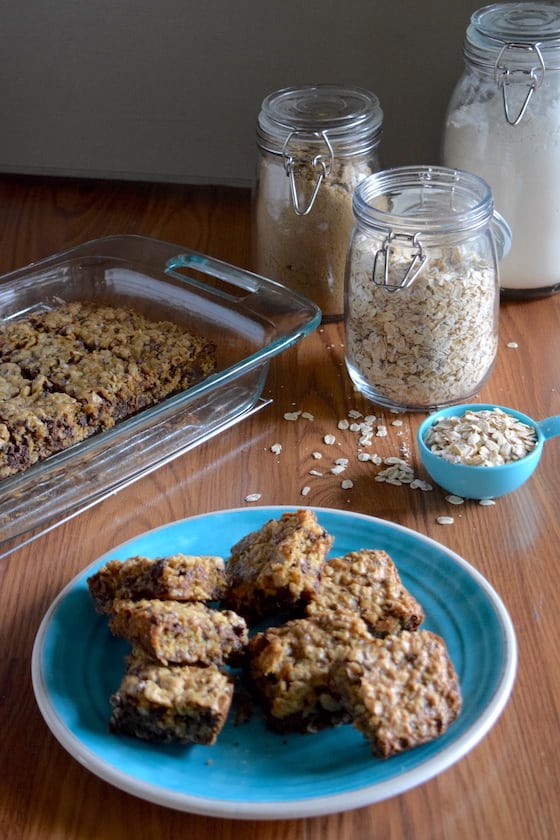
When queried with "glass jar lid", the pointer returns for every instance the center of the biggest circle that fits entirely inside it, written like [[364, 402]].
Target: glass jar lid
[[425, 200], [416, 206], [348, 119], [528, 32]]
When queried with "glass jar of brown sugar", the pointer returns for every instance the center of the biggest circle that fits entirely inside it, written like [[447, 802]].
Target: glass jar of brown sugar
[[315, 144]]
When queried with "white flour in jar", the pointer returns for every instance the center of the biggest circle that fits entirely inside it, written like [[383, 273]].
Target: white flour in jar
[[522, 166]]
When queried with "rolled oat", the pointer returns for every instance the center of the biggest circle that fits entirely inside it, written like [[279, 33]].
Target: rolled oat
[[430, 344], [489, 437]]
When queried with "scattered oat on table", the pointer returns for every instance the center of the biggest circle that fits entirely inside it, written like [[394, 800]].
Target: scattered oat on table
[[455, 500], [397, 469], [253, 497]]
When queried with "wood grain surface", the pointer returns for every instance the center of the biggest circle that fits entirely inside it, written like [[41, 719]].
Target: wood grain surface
[[507, 787]]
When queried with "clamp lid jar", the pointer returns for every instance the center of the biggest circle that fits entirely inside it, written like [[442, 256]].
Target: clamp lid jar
[[315, 144], [503, 122], [422, 288]]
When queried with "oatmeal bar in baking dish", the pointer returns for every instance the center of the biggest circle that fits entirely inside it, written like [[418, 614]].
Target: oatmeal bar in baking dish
[[367, 582], [178, 577], [163, 354], [276, 567], [82, 367], [186, 704], [400, 691], [180, 633], [33, 420]]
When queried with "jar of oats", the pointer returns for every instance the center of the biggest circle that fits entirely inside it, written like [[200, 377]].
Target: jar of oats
[[315, 144], [422, 281]]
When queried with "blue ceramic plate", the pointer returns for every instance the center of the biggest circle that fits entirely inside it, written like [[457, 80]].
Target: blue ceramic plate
[[252, 773]]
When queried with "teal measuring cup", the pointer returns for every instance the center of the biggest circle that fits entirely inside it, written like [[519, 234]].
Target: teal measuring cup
[[484, 482]]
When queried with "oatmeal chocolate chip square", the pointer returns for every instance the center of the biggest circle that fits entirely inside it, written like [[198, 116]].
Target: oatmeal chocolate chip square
[[178, 577], [111, 361], [180, 633], [400, 691], [276, 568], [290, 665], [367, 582], [171, 704]]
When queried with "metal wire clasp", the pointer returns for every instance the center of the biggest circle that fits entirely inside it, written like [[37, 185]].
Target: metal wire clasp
[[506, 76], [418, 258], [321, 164]]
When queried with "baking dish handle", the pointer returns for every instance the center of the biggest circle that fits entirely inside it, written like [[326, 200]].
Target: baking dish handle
[[234, 279]]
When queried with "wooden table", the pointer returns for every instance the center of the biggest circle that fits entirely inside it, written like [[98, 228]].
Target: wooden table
[[507, 787]]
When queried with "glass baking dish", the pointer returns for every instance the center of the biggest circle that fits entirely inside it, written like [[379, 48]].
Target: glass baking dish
[[249, 318]]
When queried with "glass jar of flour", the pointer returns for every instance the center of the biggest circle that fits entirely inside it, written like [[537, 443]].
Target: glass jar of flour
[[315, 144], [503, 123], [422, 287]]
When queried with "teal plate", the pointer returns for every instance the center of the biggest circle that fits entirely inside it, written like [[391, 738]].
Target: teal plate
[[252, 773]]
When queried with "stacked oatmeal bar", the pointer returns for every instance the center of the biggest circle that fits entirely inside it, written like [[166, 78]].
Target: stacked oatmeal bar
[[175, 686]]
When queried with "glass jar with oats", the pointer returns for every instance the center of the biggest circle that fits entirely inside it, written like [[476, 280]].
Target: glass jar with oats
[[422, 287], [315, 144]]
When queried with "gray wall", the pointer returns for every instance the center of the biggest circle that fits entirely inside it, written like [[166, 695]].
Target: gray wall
[[169, 90]]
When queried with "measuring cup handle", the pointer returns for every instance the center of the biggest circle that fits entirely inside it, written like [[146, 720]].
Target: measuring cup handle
[[550, 426]]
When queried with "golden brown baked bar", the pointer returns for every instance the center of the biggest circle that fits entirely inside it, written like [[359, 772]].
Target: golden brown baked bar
[[179, 633], [168, 361], [179, 577], [94, 325], [165, 356], [14, 335], [35, 423], [290, 666], [44, 353], [107, 389], [22, 437], [185, 704], [276, 567], [86, 366], [12, 382], [367, 582], [400, 691]]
